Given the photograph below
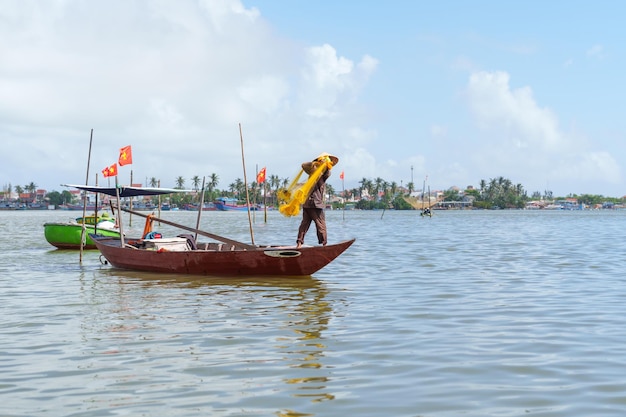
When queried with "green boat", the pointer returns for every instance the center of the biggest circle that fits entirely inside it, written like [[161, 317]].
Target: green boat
[[67, 235]]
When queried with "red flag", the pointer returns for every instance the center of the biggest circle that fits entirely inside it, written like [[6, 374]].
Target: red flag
[[341, 175], [260, 177], [110, 171], [126, 156]]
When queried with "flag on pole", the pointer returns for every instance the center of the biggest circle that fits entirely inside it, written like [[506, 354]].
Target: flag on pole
[[110, 171], [341, 175], [126, 156], [260, 177]]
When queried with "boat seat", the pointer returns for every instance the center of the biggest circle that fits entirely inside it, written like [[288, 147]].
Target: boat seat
[[190, 240], [172, 244], [220, 247], [214, 246]]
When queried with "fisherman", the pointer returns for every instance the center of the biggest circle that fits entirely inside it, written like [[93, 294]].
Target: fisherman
[[313, 207]]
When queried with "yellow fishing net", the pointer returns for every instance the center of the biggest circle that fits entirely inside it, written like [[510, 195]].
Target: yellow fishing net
[[291, 198]]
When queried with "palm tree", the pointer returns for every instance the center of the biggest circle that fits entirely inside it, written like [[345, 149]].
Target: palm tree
[[180, 183], [214, 179], [31, 188], [492, 189], [153, 182], [19, 191], [347, 194], [330, 191], [366, 185], [386, 191], [410, 187], [379, 185], [239, 187], [483, 185], [196, 182], [274, 183]]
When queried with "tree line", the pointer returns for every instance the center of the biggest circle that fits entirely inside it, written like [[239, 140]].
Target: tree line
[[375, 193]]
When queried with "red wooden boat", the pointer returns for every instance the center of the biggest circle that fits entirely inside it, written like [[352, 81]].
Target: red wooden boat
[[184, 255]]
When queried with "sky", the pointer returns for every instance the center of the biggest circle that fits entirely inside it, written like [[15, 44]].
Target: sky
[[444, 92]]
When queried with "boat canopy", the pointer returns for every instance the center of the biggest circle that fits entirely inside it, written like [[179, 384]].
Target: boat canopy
[[125, 191]]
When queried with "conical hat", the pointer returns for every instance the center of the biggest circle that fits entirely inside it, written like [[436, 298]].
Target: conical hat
[[308, 167], [333, 158]]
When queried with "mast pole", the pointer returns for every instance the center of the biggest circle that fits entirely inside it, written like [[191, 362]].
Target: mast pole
[[82, 231], [245, 183], [195, 238]]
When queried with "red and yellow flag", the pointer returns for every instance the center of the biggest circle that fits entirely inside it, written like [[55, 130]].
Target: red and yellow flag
[[260, 177], [110, 171], [126, 156], [341, 175]]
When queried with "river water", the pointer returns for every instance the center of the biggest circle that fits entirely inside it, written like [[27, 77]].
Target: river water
[[467, 313]]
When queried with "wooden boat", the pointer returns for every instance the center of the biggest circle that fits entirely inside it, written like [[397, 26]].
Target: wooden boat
[[194, 207], [181, 255], [423, 205], [67, 235], [221, 257], [231, 204], [79, 207]]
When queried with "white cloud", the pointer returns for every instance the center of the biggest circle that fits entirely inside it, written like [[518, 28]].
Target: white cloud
[[513, 112], [330, 81], [524, 140], [174, 80], [596, 51]]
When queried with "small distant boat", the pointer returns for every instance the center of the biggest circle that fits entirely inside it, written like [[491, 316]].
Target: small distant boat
[[77, 207], [230, 204], [141, 206], [67, 235], [205, 207], [553, 207], [423, 205]]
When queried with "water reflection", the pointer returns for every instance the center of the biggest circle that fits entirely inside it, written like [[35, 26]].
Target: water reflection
[[250, 331]]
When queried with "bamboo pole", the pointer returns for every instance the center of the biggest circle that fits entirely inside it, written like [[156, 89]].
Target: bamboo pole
[[245, 183], [343, 193], [130, 200], [95, 212], [195, 238], [82, 230], [119, 213], [265, 199]]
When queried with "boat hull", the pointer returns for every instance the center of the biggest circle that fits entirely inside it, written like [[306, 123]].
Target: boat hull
[[263, 261], [227, 207], [231, 204], [67, 235]]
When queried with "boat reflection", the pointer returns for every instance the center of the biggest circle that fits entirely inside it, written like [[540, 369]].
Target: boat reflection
[[258, 329]]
